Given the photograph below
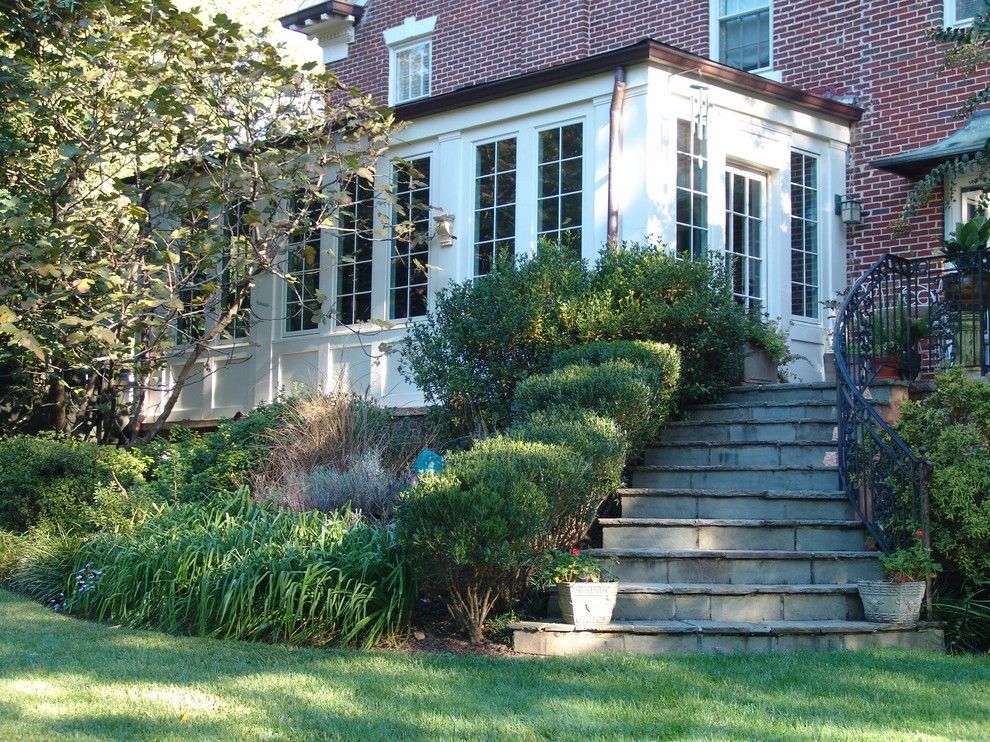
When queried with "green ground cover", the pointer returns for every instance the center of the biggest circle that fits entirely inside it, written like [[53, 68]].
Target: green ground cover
[[62, 678]]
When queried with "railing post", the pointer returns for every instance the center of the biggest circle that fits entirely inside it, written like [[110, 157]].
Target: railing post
[[926, 539]]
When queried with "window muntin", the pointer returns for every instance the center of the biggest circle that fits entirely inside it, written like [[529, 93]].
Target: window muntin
[[962, 12], [235, 230], [745, 34], [804, 236], [355, 224], [561, 178], [410, 252], [692, 194], [302, 304], [494, 204], [411, 71], [745, 235]]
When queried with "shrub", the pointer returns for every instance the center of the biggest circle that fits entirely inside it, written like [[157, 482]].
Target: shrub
[[41, 564], [236, 569], [953, 424], [619, 390], [364, 485], [486, 334], [643, 293], [661, 362], [54, 480], [475, 530], [599, 441]]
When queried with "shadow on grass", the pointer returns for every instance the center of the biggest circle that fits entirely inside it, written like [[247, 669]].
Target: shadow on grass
[[61, 676]]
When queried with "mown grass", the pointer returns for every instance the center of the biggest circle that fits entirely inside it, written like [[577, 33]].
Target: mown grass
[[62, 678]]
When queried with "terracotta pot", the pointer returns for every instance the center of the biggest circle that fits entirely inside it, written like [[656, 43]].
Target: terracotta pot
[[889, 367]]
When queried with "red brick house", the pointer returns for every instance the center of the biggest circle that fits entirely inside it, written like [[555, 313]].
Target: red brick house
[[723, 125]]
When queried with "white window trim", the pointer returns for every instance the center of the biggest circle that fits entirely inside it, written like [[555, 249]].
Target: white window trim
[[387, 268], [950, 19], [820, 192], [587, 184], [714, 51], [410, 34]]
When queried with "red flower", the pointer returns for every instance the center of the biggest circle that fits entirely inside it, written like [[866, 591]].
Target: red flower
[[575, 552], [919, 533]]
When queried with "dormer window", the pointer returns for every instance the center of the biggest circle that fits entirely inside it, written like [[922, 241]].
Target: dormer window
[[410, 60]]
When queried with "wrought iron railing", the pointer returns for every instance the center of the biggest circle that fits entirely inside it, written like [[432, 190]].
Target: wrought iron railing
[[905, 318]]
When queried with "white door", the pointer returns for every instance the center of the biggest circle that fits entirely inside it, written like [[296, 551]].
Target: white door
[[746, 235]]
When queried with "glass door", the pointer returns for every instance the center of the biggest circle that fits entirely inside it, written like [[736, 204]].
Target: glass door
[[745, 235]]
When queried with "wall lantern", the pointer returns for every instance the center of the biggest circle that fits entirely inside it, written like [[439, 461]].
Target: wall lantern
[[849, 210], [445, 229]]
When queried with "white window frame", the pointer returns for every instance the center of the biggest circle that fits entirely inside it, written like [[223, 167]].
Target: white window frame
[[950, 19], [411, 34], [475, 210], [587, 212], [817, 188], [714, 32], [286, 290], [390, 257], [763, 177]]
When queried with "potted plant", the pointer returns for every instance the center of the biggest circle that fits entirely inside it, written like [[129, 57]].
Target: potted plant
[[897, 599], [967, 283], [766, 351], [586, 591], [895, 343]]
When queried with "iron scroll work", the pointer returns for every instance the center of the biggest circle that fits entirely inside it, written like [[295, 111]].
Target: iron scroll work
[[905, 318]]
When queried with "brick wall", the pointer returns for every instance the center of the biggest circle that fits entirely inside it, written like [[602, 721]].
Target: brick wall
[[872, 50]]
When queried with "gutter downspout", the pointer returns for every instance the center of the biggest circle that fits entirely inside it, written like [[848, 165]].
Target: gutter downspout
[[614, 145]]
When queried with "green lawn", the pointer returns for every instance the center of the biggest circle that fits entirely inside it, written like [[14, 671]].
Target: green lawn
[[64, 678]]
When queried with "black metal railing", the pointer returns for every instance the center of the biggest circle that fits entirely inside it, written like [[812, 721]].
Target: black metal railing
[[904, 319]]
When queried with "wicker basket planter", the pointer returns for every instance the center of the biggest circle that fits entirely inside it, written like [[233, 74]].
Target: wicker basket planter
[[587, 603], [891, 602]]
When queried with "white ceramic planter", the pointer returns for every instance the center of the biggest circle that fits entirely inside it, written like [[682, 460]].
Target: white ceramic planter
[[891, 602], [587, 603]]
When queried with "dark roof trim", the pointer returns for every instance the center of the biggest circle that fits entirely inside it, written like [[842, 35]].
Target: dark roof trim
[[315, 13], [647, 50], [971, 139]]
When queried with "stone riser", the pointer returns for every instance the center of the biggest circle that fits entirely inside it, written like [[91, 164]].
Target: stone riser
[[787, 413], [823, 431], [738, 479], [756, 607], [780, 393], [550, 644], [702, 506], [785, 538], [766, 454], [730, 570]]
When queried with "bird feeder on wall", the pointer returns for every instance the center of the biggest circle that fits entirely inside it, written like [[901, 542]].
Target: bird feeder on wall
[[445, 229]]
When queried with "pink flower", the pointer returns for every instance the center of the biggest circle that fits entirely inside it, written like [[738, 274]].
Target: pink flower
[[919, 533], [575, 552]]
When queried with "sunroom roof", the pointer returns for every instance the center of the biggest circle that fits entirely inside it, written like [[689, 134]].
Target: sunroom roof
[[968, 140]]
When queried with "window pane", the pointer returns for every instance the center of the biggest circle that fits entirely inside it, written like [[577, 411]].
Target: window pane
[[302, 307], [412, 72], [804, 235], [561, 185], [745, 35], [744, 237], [495, 205], [408, 276], [692, 194]]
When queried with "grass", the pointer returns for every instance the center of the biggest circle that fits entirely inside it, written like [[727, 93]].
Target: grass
[[68, 679]]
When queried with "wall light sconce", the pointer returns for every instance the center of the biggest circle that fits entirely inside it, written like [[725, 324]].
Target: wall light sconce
[[445, 229], [849, 210]]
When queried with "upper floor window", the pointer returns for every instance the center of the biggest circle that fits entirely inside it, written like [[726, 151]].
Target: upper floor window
[[743, 33], [561, 177], [692, 193], [962, 12], [410, 59], [494, 204]]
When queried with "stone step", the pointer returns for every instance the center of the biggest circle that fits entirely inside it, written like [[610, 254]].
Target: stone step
[[666, 602], [699, 503], [715, 637], [737, 566], [719, 534], [809, 392], [744, 453], [821, 429], [737, 477], [762, 411]]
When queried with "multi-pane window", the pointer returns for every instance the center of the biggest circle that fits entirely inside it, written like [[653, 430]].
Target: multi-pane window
[[962, 12], [744, 33], [744, 235], [355, 224], [804, 235], [411, 72], [302, 304], [192, 278], [692, 194], [232, 269], [408, 272], [560, 185], [494, 204]]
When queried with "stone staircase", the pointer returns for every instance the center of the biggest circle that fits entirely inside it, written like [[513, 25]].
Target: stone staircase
[[735, 537]]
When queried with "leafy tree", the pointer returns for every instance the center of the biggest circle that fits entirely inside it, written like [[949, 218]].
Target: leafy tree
[[152, 166]]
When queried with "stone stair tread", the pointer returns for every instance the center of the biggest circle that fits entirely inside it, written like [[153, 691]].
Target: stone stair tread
[[765, 405], [754, 388], [645, 553], [782, 494], [688, 423], [699, 626], [707, 588], [741, 444], [731, 467], [739, 522]]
